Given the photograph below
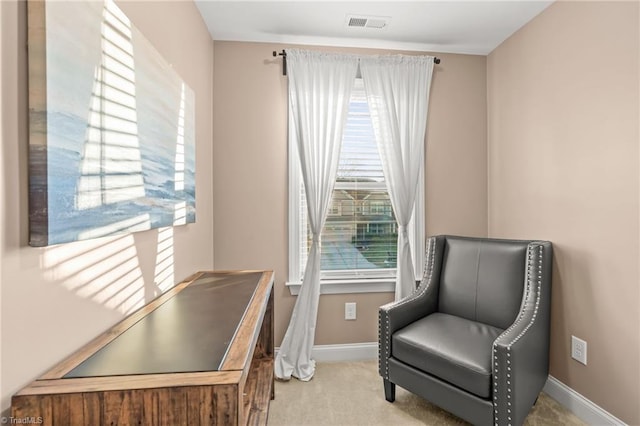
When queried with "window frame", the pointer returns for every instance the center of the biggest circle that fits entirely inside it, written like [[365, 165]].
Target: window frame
[[373, 283]]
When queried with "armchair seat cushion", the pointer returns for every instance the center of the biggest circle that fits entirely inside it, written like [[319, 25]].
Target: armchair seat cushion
[[454, 349]]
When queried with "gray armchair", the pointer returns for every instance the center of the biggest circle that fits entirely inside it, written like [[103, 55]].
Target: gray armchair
[[474, 337]]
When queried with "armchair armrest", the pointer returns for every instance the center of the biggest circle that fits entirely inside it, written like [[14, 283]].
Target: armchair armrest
[[521, 353], [424, 301]]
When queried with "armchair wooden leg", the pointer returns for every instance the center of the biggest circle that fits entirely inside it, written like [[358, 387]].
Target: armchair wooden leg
[[389, 390]]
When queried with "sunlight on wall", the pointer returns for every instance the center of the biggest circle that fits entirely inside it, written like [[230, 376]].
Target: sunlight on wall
[[179, 161], [111, 169], [108, 274], [180, 209], [180, 214], [164, 273], [138, 223]]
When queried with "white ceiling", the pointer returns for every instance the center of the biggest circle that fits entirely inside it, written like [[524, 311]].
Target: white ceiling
[[473, 27]]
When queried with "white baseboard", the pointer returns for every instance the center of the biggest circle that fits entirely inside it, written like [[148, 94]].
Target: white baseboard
[[344, 352], [583, 408]]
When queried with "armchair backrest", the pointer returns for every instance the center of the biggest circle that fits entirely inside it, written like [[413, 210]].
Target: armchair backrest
[[483, 279]]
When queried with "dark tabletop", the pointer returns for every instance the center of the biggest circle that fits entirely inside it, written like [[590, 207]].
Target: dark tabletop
[[190, 332]]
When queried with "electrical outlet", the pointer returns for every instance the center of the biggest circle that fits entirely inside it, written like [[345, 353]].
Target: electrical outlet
[[579, 350], [350, 311]]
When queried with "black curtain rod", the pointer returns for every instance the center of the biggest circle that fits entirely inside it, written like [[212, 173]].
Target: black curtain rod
[[284, 60]]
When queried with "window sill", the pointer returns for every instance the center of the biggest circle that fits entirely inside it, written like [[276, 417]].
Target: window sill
[[378, 285]]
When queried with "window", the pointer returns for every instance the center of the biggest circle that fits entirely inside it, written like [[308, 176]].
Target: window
[[335, 209], [379, 208], [359, 239]]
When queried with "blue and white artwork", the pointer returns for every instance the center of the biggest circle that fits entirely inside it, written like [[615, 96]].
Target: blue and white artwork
[[112, 127]]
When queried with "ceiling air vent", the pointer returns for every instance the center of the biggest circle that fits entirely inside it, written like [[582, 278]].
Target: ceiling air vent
[[360, 21]]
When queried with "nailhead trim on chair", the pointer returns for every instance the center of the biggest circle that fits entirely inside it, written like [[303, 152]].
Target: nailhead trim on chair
[[530, 263], [425, 284]]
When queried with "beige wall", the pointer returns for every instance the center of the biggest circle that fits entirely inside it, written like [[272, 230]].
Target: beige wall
[[56, 299], [2, 190], [563, 165], [250, 172]]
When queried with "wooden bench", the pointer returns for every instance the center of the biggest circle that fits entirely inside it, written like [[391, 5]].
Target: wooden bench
[[199, 354]]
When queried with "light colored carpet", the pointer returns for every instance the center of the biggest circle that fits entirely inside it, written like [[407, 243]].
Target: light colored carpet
[[351, 394]]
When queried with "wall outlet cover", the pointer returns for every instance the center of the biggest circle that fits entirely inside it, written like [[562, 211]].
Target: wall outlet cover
[[579, 350], [350, 311]]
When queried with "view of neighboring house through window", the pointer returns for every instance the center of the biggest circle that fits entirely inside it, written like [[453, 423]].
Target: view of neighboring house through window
[[359, 239]]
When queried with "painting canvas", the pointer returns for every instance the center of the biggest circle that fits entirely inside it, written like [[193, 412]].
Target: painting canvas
[[112, 127]]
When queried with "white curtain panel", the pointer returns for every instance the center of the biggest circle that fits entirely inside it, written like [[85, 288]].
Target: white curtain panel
[[320, 86], [397, 89]]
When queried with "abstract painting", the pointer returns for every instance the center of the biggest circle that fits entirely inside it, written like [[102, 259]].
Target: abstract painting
[[112, 127]]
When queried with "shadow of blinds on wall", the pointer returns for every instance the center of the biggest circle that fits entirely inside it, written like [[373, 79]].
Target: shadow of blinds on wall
[[111, 166], [180, 208]]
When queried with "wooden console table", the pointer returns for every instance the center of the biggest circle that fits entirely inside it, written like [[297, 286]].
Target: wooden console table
[[199, 354]]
